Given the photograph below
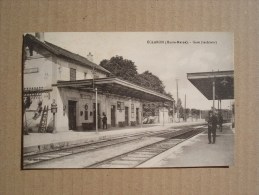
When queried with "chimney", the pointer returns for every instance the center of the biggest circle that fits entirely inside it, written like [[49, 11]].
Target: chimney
[[90, 57], [40, 36]]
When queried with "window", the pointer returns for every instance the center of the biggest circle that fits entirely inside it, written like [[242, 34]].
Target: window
[[72, 74], [120, 105], [85, 74]]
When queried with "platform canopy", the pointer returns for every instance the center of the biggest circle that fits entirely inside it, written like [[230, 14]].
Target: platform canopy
[[224, 84], [113, 85]]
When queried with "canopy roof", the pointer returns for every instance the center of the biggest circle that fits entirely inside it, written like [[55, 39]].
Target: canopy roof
[[224, 84], [113, 85]]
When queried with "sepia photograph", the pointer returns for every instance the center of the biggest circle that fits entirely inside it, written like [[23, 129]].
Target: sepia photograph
[[128, 100]]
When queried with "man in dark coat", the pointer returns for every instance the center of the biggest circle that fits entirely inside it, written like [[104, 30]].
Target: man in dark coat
[[104, 119], [212, 126]]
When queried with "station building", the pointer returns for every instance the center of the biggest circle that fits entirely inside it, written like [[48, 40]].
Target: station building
[[52, 74]]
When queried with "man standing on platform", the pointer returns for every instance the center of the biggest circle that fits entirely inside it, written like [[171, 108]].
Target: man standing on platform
[[104, 119], [212, 126]]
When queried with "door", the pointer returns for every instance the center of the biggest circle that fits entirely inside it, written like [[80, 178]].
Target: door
[[126, 116], [113, 109], [99, 116], [137, 115], [72, 115]]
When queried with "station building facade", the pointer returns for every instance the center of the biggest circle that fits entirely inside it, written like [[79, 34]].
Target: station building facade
[[53, 73]]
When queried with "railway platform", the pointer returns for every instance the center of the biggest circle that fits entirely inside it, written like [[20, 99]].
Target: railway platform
[[196, 152], [35, 142]]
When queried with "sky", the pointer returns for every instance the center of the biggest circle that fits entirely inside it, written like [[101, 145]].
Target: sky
[[169, 55]]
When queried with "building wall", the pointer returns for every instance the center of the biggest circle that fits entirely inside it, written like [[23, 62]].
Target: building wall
[[86, 98], [63, 70], [32, 117], [164, 115], [63, 95], [43, 69], [120, 114], [83, 100], [38, 72]]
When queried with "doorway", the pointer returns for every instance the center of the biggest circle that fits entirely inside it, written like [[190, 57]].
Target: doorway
[[137, 116], [126, 116], [113, 110], [72, 115]]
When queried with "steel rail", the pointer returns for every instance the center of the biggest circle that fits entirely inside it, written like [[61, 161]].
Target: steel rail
[[37, 158], [54, 154], [147, 147]]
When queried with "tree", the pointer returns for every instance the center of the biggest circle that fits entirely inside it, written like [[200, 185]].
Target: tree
[[179, 103], [180, 108], [127, 70], [169, 94], [150, 109], [151, 81], [187, 112], [181, 112], [195, 113], [121, 68]]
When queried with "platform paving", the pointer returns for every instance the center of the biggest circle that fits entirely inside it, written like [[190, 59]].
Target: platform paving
[[196, 152], [35, 142]]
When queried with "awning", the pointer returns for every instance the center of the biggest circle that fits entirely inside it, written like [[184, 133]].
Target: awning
[[224, 84], [113, 85]]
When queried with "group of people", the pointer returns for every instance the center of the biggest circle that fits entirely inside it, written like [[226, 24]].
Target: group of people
[[213, 121], [102, 118]]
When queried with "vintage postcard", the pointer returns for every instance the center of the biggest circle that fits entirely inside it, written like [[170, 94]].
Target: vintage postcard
[[128, 99]]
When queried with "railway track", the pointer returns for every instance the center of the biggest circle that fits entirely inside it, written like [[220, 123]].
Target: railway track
[[29, 159], [37, 158], [141, 155]]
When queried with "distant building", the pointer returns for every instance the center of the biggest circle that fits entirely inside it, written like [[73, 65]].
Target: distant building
[[53, 73]]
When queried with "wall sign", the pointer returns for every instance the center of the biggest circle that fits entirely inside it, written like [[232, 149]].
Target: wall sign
[[30, 70], [83, 96]]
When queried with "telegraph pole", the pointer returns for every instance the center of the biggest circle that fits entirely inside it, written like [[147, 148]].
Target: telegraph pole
[[96, 102]]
